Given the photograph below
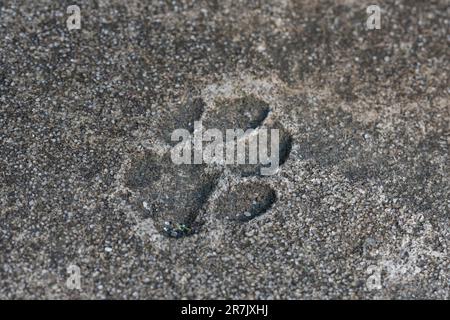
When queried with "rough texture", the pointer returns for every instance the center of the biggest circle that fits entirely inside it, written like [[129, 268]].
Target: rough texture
[[365, 181]]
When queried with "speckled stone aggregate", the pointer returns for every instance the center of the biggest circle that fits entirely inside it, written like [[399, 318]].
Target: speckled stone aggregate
[[366, 183]]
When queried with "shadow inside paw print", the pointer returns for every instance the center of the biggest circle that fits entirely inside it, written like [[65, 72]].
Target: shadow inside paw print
[[173, 194]]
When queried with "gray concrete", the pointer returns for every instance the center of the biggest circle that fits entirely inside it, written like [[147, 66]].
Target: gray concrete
[[85, 179]]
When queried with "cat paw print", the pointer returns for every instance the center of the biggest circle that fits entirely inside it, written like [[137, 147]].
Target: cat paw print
[[173, 195]]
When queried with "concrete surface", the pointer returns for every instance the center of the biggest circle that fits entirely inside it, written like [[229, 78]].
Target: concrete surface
[[84, 121]]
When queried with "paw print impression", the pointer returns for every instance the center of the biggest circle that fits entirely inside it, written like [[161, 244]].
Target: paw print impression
[[173, 195]]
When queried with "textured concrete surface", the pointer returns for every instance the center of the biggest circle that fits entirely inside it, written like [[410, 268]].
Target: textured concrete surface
[[84, 123]]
